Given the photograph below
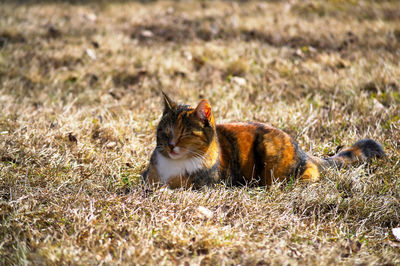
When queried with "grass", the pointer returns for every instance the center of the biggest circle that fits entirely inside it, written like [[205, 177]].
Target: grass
[[80, 99]]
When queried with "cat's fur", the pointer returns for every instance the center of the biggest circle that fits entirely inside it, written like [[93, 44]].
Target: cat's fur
[[193, 151]]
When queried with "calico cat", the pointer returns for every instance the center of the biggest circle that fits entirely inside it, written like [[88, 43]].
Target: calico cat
[[194, 151]]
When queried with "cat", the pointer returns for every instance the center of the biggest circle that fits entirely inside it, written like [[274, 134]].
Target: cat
[[193, 151]]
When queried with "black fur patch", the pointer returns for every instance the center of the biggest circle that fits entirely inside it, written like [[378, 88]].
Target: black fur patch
[[259, 152], [206, 177], [302, 159], [347, 154], [233, 172], [370, 148]]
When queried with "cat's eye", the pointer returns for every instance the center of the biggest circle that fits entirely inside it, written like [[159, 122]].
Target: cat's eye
[[162, 134], [197, 133]]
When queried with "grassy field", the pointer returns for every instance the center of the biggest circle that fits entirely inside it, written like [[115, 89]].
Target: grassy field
[[80, 99]]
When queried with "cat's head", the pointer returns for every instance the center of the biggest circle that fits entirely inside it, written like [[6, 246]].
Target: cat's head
[[185, 132]]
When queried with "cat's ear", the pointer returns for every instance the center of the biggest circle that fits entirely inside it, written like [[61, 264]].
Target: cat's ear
[[203, 110], [168, 103]]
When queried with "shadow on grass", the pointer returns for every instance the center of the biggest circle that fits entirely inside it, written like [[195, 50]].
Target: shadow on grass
[[181, 30]]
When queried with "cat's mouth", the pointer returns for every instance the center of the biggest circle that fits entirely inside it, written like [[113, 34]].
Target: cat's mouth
[[175, 155]]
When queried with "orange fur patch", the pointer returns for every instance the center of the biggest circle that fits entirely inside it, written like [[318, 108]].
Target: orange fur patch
[[311, 173]]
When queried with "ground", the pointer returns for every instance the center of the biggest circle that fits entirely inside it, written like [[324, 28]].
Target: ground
[[80, 99]]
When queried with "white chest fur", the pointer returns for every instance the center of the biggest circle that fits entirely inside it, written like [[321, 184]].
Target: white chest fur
[[167, 167]]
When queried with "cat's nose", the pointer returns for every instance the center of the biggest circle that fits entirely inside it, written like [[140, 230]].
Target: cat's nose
[[171, 145]]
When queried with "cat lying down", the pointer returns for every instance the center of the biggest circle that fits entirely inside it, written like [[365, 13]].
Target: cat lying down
[[194, 151]]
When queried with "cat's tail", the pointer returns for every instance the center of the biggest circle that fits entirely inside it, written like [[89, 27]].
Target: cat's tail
[[361, 151]]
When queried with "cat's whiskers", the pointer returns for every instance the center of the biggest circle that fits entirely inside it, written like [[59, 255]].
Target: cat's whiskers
[[188, 151], [197, 155]]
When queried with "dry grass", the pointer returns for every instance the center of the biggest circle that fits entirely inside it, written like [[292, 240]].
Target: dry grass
[[80, 97]]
